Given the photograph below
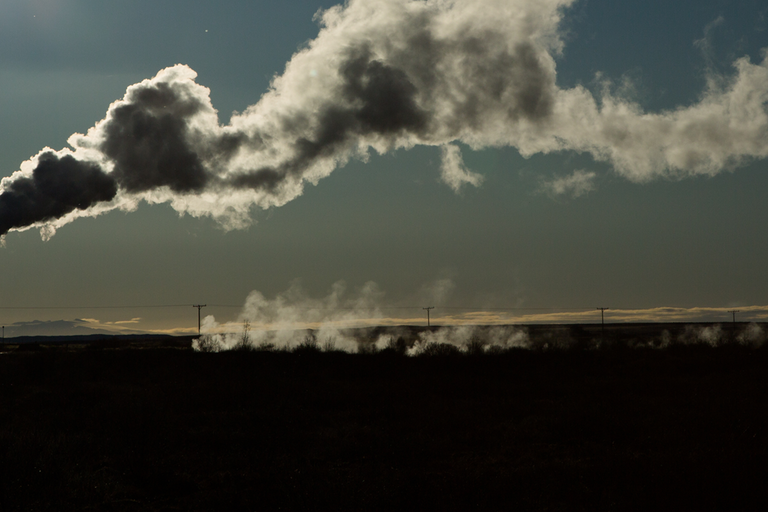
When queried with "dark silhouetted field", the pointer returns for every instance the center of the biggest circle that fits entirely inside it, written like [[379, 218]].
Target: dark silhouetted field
[[115, 429]]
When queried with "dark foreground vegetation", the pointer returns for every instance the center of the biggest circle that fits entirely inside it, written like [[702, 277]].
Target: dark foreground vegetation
[[680, 428]]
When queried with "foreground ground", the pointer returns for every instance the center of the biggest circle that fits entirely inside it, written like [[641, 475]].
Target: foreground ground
[[677, 429]]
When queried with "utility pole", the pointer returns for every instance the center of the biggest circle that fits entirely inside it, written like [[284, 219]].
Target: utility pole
[[430, 307], [199, 307], [733, 312], [602, 320]]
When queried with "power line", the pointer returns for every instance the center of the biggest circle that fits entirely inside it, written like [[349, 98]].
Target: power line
[[320, 308], [153, 306]]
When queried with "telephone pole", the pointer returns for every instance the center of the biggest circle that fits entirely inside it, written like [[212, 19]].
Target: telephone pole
[[602, 320], [430, 307], [199, 307], [733, 312]]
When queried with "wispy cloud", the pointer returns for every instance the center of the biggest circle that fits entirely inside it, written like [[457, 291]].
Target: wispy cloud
[[131, 321], [577, 184], [453, 172]]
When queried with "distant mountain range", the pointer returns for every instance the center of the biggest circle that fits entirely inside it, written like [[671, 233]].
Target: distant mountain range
[[91, 338], [75, 327]]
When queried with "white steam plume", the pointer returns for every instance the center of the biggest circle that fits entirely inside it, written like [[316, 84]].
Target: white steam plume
[[381, 75], [284, 320], [287, 320]]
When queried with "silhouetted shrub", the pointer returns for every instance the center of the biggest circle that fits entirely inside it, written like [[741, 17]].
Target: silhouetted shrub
[[329, 345], [207, 343], [243, 343], [398, 346], [475, 346], [367, 347], [439, 349], [244, 347], [308, 345]]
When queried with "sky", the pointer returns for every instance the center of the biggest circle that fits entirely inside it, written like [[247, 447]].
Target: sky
[[308, 162]]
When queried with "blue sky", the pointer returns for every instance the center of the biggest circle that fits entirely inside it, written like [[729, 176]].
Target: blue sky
[[567, 229]]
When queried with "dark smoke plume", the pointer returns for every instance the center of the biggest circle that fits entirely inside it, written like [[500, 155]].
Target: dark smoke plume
[[57, 187], [146, 138], [381, 75]]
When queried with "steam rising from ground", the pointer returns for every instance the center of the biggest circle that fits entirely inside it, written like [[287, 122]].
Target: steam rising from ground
[[752, 335], [293, 319], [381, 75], [358, 321], [472, 338], [285, 320]]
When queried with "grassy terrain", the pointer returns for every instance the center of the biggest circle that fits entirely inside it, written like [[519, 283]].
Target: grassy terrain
[[615, 429]]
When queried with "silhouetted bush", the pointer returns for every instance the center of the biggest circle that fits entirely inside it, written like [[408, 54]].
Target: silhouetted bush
[[208, 343], [367, 347], [308, 345], [243, 343], [475, 346], [398, 346], [329, 345], [439, 349]]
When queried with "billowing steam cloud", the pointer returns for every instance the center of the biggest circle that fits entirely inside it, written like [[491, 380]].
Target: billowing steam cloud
[[281, 321], [380, 75]]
